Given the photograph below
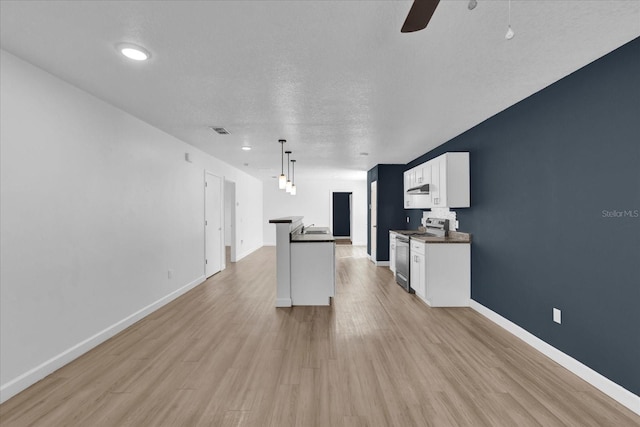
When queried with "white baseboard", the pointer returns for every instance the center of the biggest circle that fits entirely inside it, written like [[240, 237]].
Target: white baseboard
[[602, 383], [283, 302], [378, 263], [248, 252], [34, 375]]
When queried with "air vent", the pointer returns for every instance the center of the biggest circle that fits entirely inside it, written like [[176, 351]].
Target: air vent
[[221, 131]]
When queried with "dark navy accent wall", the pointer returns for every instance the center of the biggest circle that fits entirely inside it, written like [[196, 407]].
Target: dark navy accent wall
[[555, 202], [390, 202]]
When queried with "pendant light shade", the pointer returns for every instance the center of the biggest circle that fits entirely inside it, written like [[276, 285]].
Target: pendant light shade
[[293, 178], [282, 180], [288, 183], [510, 32]]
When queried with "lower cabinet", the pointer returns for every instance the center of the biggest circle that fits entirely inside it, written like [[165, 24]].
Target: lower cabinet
[[441, 273], [417, 269]]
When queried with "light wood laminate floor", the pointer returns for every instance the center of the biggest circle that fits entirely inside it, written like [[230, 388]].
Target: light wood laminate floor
[[222, 355]]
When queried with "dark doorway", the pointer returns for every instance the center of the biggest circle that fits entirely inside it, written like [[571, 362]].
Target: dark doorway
[[342, 215]]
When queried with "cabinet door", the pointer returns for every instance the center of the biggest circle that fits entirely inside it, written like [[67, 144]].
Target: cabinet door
[[417, 175], [436, 194], [417, 274], [423, 201], [442, 180], [409, 201]]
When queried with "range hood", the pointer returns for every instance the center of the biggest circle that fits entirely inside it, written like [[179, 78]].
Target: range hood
[[421, 189]]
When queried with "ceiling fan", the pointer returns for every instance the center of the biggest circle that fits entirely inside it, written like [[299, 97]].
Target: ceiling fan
[[419, 15]]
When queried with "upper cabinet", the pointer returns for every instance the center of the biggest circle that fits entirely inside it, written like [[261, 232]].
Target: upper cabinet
[[447, 177]]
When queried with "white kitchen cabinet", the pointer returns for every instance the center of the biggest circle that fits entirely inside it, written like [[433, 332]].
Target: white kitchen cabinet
[[435, 186], [392, 251], [409, 182], [448, 274], [448, 179], [417, 269], [441, 273], [452, 186]]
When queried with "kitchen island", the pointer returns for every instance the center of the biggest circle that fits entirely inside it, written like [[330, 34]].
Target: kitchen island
[[305, 263]]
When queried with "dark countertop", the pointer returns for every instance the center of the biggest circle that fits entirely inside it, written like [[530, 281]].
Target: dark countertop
[[286, 219], [313, 237], [453, 237]]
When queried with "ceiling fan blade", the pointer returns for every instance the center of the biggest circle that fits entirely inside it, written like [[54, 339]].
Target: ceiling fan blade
[[419, 15]]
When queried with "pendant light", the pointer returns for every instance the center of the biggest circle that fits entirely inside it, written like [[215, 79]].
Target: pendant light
[[282, 180], [288, 184], [510, 32], [293, 178]]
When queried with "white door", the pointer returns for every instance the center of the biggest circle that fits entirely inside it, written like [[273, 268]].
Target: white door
[[213, 224], [374, 219]]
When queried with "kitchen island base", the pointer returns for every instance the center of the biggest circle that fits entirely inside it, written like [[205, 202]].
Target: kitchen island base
[[306, 267], [312, 273]]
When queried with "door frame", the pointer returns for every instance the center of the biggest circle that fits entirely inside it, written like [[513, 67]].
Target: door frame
[[373, 228]]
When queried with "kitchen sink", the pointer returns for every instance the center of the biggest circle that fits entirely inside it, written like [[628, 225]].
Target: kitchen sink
[[316, 232]]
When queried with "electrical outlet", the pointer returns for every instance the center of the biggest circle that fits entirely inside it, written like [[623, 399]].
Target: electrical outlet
[[170, 274], [407, 220], [557, 315]]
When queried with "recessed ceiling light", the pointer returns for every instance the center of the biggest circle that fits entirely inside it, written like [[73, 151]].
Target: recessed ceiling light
[[364, 154], [135, 52], [246, 148]]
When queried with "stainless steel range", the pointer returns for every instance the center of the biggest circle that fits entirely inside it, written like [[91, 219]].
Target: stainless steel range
[[402, 262], [435, 227]]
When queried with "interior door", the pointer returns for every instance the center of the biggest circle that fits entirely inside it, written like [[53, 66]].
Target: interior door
[[213, 241], [374, 219]]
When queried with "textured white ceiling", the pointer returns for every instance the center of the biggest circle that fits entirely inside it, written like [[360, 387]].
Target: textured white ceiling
[[334, 78]]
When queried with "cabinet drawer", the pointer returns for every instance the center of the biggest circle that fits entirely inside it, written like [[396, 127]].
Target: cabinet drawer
[[417, 247]]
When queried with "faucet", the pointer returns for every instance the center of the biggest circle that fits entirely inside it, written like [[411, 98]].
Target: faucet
[[311, 225]]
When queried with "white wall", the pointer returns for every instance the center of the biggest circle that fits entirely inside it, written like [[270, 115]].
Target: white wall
[[228, 199], [96, 207], [313, 201]]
